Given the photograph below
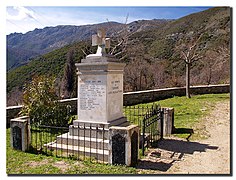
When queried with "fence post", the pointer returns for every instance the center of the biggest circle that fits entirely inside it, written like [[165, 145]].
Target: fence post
[[161, 121], [20, 133], [124, 145], [143, 137], [168, 122]]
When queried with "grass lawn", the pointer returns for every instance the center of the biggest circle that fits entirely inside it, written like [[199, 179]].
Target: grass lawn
[[188, 114], [19, 162]]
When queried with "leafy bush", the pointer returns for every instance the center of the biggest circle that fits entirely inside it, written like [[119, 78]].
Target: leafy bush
[[40, 102]]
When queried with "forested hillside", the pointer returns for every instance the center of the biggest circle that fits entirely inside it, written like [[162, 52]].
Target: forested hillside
[[21, 48], [152, 52]]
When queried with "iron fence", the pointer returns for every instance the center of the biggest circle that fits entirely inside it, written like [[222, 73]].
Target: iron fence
[[85, 141], [152, 128], [150, 120], [136, 113], [90, 140]]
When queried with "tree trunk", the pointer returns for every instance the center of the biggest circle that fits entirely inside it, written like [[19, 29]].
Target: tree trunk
[[188, 80], [140, 81], [209, 77]]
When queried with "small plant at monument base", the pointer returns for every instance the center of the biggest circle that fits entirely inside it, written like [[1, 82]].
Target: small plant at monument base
[[41, 103]]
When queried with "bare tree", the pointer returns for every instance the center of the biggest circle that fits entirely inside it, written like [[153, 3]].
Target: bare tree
[[121, 40], [216, 64], [132, 76], [190, 52], [158, 70], [209, 62], [14, 97]]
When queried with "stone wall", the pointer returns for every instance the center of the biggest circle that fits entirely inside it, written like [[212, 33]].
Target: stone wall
[[131, 98]]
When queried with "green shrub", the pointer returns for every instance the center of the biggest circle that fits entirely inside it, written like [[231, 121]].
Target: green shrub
[[41, 103]]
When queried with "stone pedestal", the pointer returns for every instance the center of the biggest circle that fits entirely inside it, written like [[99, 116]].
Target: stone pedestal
[[124, 145], [100, 104], [20, 133], [101, 129], [100, 91]]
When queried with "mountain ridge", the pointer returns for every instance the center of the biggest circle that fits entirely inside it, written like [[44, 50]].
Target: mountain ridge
[[151, 54], [41, 41]]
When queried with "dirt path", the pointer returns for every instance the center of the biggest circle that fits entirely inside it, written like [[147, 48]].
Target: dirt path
[[210, 156]]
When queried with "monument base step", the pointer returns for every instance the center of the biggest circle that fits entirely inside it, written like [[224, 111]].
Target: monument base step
[[89, 132], [116, 122], [124, 124], [119, 122], [101, 155], [95, 129], [97, 143]]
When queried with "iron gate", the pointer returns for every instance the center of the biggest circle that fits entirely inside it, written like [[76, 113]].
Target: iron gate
[[152, 127]]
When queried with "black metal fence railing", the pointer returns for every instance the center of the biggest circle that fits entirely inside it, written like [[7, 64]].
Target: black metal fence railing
[[136, 113], [90, 140], [85, 141], [152, 129], [150, 120]]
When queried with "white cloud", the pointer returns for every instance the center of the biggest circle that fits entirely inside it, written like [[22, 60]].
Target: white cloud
[[22, 13]]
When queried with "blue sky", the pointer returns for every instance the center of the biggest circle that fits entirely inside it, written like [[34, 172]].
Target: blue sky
[[27, 18]]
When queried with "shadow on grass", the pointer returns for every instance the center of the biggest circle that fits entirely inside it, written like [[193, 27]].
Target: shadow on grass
[[150, 165], [184, 131], [34, 150]]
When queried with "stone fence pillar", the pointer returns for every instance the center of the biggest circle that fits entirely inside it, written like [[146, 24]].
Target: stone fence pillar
[[168, 121], [124, 145], [20, 133]]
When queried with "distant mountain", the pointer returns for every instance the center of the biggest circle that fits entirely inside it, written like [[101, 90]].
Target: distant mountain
[[150, 53], [21, 48]]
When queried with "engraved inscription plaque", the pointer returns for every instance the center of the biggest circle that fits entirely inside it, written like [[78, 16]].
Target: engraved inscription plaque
[[92, 99], [115, 95], [115, 87], [91, 93]]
